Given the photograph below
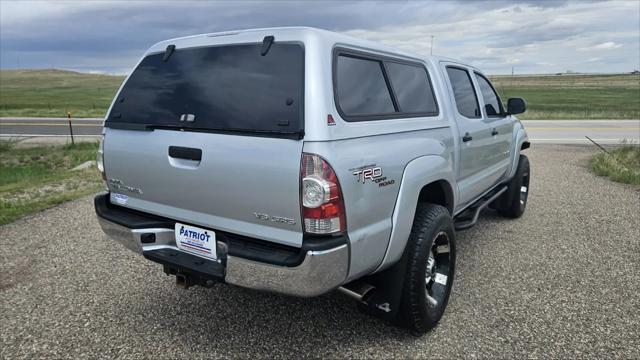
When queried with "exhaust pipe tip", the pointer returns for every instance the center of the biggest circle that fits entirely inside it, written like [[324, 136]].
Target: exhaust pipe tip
[[359, 291]]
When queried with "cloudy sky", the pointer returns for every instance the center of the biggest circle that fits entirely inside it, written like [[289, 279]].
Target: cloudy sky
[[530, 36]]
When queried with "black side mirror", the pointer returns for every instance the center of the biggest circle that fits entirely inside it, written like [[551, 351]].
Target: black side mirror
[[516, 106]]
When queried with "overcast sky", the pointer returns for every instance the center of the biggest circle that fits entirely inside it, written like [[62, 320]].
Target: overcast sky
[[531, 36]]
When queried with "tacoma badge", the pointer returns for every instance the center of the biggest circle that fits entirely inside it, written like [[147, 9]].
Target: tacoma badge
[[276, 219]]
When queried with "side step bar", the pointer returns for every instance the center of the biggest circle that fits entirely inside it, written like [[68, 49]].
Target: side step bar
[[467, 222]]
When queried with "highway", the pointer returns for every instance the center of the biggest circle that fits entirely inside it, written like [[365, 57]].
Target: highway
[[56, 127], [574, 131], [540, 131]]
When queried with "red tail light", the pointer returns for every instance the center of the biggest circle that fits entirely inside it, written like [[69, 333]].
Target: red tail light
[[100, 159], [321, 197]]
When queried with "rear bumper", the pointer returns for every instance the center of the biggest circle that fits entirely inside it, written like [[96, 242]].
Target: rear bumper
[[316, 272]]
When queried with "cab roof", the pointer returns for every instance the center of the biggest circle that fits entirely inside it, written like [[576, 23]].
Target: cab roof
[[291, 32]]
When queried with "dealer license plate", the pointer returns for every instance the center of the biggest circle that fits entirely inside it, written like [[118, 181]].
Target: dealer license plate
[[196, 240]]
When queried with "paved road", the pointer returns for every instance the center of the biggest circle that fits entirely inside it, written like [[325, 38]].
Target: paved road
[[561, 282], [574, 131], [541, 131], [19, 127]]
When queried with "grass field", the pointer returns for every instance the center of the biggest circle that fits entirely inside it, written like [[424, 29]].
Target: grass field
[[51, 93], [574, 96], [621, 164], [35, 178]]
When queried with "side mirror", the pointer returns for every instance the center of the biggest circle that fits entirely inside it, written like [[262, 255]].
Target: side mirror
[[516, 106]]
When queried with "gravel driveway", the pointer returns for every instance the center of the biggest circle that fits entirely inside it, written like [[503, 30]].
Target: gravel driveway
[[563, 281]]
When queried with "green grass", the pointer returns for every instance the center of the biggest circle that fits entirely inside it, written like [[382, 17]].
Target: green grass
[[35, 178], [51, 93], [574, 96], [621, 164]]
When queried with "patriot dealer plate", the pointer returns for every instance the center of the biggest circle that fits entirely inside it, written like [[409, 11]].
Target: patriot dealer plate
[[196, 241]]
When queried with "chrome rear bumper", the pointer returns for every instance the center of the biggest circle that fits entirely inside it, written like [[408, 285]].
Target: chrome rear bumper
[[318, 273]]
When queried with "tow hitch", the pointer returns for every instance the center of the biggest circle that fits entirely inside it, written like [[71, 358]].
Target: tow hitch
[[183, 281]]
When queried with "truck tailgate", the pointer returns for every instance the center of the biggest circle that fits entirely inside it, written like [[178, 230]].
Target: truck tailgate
[[247, 185]]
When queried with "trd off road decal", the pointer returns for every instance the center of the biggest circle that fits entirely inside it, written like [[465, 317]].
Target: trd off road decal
[[371, 173]]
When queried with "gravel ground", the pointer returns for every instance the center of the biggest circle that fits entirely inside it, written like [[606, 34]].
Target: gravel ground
[[563, 281]]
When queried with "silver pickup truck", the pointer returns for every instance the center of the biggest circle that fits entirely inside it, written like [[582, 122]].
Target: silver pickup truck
[[301, 161]]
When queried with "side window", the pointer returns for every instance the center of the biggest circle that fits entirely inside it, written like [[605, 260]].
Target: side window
[[361, 87], [465, 94], [412, 88], [492, 104]]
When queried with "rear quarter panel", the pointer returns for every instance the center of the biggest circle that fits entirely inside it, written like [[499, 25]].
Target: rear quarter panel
[[370, 205]]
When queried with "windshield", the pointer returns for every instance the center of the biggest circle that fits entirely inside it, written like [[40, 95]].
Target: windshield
[[231, 87]]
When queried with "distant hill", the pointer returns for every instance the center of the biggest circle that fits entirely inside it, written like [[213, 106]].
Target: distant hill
[[51, 93]]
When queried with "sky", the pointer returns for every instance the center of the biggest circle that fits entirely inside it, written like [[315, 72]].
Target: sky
[[529, 36]]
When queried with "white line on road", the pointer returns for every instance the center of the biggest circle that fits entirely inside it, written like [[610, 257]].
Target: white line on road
[[48, 119], [585, 140], [630, 121], [44, 135], [45, 124]]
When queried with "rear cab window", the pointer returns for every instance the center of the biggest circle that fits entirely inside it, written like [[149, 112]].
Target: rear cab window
[[362, 88], [464, 92], [369, 87], [228, 88]]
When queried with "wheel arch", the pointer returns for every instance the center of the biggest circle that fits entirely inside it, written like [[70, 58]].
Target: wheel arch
[[520, 142], [437, 192], [428, 178]]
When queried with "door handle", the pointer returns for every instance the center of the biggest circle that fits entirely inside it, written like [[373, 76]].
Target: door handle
[[467, 137], [494, 132], [185, 153]]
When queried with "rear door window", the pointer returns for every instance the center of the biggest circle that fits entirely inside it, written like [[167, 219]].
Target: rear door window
[[362, 88], [412, 88], [228, 88], [492, 104], [464, 93]]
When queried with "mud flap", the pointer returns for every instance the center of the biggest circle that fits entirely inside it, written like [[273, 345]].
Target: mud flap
[[385, 301]]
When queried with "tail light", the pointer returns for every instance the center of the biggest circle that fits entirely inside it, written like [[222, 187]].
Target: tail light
[[321, 197], [100, 159]]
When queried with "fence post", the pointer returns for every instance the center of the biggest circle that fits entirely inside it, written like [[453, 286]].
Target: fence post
[[70, 128]]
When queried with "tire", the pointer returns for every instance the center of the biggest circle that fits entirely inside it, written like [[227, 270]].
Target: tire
[[515, 198], [426, 281]]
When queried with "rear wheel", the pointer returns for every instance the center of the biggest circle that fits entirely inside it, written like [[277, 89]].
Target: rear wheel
[[514, 200], [430, 269]]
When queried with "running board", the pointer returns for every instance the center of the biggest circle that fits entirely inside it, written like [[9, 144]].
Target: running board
[[467, 222]]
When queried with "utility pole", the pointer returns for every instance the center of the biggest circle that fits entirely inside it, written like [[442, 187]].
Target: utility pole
[[512, 76], [431, 51]]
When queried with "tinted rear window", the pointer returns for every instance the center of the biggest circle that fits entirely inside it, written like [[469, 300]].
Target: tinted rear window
[[228, 87], [464, 93], [372, 87], [412, 88], [492, 104], [362, 89]]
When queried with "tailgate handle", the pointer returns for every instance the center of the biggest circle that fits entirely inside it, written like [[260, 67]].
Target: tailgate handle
[[186, 153]]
